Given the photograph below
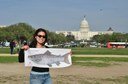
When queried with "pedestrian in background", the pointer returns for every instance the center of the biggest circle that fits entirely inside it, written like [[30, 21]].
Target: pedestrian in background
[[12, 46]]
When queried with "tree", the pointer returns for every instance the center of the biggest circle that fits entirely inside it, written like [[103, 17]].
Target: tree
[[17, 31], [115, 37], [70, 38]]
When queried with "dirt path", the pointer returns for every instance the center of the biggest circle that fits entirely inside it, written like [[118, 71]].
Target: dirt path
[[16, 74], [100, 56], [8, 54], [78, 55]]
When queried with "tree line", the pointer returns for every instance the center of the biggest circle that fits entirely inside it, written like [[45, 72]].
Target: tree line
[[115, 37], [24, 32]]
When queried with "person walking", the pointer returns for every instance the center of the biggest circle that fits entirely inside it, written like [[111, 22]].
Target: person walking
[[38, 75], [12, 45]]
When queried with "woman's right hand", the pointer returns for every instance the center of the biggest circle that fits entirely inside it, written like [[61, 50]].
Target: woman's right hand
[[25, 47]]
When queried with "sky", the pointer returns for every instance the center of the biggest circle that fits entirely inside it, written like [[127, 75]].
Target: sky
[[66, 15]]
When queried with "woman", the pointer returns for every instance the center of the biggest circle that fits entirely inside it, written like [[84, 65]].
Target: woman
[[37, 75]]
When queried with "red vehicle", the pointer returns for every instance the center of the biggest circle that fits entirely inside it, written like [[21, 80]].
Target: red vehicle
[[117, 44]]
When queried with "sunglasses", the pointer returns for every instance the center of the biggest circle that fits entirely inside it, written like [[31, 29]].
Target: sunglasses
[[41, 36]]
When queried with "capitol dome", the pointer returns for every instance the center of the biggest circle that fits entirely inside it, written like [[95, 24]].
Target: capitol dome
[[84, 25]]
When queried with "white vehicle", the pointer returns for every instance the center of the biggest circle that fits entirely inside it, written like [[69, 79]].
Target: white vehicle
[[6, 44]]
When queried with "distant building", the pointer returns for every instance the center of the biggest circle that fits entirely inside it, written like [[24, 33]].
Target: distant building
[[84, 33], [1, 26]]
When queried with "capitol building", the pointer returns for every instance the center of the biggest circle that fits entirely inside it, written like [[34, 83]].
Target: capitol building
[[84, 33]]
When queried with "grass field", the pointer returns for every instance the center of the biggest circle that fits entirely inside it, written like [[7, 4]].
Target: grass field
[[8, 59], [82, 61], [100, 51], [98, 61], [6, 50], [85, 51]]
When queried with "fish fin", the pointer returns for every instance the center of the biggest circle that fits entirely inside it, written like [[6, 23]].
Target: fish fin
[[50, 65], [58, 63], [66, 59]]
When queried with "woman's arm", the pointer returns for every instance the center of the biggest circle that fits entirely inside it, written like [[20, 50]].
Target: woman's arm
[[21, 53]]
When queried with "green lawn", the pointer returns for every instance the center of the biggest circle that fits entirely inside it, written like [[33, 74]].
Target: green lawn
[[6, 50], [104, 59], [8, 59], [85, 51], [100, 51], [98, 61], [82, 61]]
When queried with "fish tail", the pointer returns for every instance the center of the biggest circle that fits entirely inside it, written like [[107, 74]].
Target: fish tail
[[66, 59]]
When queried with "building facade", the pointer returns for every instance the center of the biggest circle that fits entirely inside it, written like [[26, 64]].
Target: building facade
[[84, 33]]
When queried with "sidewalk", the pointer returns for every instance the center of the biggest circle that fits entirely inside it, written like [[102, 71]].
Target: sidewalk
[[78, 55], [100, 56], [8, 54]]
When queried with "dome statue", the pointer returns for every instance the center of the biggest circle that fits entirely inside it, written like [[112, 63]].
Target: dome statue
[[84, 27]]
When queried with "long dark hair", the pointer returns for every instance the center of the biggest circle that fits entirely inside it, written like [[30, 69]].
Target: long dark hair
[[34, 41]]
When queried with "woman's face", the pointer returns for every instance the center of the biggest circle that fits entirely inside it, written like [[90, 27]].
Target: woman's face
[[40, 37]]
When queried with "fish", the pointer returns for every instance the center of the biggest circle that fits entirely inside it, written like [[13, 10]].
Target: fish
[[48, 58]]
